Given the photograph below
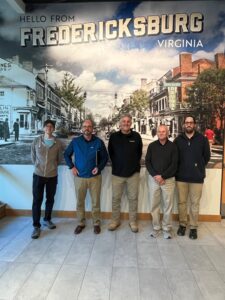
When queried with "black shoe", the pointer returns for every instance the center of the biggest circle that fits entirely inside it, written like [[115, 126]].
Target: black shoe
[[36, 233], [181, 230], [193, 234], [79, 229], [97, 229]]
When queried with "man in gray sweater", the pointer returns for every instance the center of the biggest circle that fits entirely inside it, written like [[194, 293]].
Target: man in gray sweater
[[46, 154]]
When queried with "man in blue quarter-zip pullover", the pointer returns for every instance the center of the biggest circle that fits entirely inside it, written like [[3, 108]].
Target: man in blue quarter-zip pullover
[[46, 154], [193, 156], [90, 159]]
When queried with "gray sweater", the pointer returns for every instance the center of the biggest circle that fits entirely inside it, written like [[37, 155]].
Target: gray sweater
[[45, 159]]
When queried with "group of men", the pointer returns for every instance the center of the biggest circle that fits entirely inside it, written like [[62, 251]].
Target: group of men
[[181, 163]]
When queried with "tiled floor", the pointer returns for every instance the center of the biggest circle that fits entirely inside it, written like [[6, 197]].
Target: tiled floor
[[112, 265]]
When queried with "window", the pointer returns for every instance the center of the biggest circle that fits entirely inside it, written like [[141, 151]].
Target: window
[[24, 121], [21, 121], [2, 93], [32, 121]]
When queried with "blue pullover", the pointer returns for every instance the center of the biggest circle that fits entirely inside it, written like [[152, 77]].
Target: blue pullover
[[87, 155]]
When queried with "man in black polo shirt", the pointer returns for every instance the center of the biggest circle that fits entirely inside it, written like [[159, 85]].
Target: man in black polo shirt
[[161, 163], [125, 150]]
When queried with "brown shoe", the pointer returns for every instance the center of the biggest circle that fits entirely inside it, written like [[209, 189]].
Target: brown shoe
[[113, 225], [97, 229], [79, 229], [133, 226]]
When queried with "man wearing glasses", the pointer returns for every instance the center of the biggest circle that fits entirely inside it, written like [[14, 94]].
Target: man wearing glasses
[[90, 157], [194, 154]]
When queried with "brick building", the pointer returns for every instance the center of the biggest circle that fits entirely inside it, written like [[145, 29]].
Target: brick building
[[168, 96]]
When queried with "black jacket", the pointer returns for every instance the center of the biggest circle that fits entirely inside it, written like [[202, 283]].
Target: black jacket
[[125, 152], [162, 159], [194, 154]]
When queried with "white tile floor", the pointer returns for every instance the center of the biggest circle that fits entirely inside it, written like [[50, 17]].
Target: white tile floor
[[112, 265]]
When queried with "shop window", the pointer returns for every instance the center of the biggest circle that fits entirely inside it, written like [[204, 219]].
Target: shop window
[[21, 121], [24, 121]]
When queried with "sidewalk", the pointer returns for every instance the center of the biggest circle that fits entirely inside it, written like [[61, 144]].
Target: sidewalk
[[147, 137], [217, 149], [22, 137], [9, 142]]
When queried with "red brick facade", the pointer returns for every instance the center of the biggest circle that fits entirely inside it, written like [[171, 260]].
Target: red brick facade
[[188, 70]]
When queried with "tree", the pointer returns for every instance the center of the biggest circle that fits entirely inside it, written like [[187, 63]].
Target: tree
[[139, 101], [103, 123], [207, 94], [89, 116], [70, 91]]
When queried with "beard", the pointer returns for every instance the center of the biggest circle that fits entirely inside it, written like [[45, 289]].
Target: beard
[[87, 132], [189, 130]]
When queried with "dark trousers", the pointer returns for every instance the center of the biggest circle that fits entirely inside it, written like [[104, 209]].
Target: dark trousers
[[16, 135], [39, 184]]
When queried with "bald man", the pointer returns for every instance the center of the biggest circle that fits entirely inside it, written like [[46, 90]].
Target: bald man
[[125, 150], [161, 163]]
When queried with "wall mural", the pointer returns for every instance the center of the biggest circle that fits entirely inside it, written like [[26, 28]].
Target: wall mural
[[157, 61]]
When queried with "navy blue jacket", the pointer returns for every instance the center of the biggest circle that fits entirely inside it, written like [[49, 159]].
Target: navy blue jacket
[[87, 155], [193, 156]]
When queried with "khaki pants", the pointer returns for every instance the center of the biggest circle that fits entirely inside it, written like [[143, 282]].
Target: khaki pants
[[81, 187], [165, 193], [118, 184], [194, 191]]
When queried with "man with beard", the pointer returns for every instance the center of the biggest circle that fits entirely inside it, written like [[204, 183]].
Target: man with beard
[[194, 154], [90, 157]]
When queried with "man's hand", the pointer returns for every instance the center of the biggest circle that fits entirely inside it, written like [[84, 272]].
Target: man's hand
[[75, 171], [159, 179], [95, 171]]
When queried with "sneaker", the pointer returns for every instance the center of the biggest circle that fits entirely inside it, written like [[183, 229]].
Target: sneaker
[[155, 233], [133, 226], [36, 233], [167, 235], [181, 230], [113, 225], [49, 224], [193, 234]]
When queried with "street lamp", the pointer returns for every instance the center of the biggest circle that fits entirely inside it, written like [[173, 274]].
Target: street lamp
[[46, 67]]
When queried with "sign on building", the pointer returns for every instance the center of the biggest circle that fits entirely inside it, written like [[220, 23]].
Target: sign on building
[[172, 95], [4, 112]]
